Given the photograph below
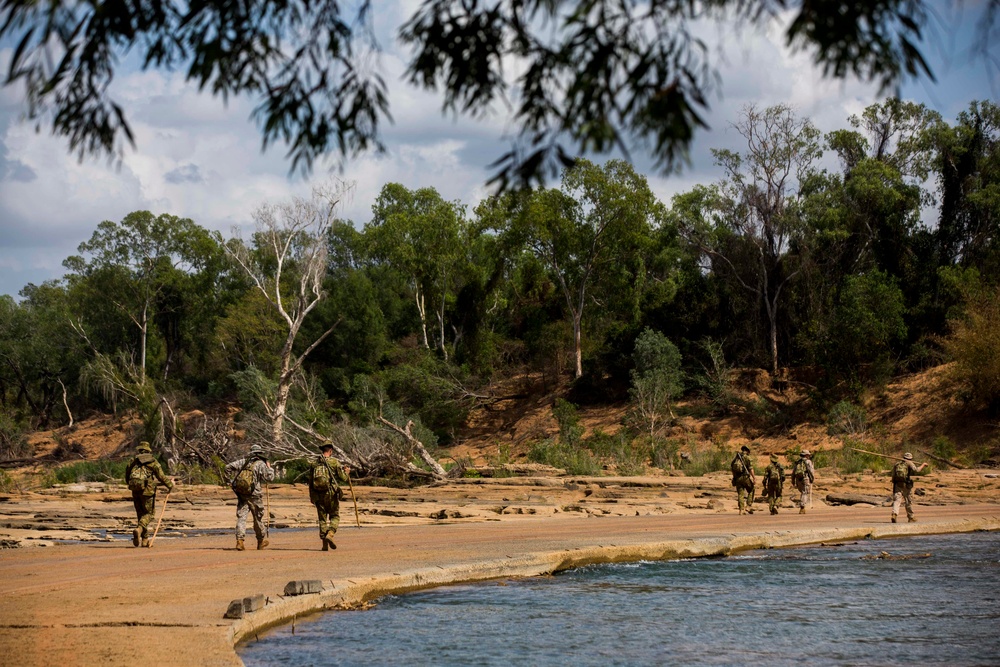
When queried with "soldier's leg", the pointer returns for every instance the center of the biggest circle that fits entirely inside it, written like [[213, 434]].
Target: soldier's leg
[[242, 509], [256, 504], [334, 515], [897, 499], [148, 508], [907, 501], [140, 508], [322, 516]]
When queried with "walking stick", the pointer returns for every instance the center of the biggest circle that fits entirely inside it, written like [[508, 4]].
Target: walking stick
[[162, 512], [355, 498]]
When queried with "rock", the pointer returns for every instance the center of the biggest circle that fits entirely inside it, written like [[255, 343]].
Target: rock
[[441, 514], [235, 609], [303, 586], [254, 602], [855, 499]]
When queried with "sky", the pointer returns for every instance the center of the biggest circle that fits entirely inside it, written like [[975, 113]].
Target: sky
[[198, 158]]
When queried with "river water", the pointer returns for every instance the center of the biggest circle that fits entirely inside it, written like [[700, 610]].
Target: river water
[[820, 605]]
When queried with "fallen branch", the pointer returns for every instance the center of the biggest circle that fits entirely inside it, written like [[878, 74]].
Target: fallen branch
[[941, 459], [406, 432]]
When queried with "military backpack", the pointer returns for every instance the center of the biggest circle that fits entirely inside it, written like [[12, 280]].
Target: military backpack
[[243, 482], [800, 471], [901, 474], [322, 477], [140, 476]]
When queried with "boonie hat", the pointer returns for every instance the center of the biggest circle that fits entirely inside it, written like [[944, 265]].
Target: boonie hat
[[143, 447], [908, 456], [744, 448], [805, 452], [774, 458]]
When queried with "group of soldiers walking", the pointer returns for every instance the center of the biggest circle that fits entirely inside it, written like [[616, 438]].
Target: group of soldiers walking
[[248, 477], [803, 477]]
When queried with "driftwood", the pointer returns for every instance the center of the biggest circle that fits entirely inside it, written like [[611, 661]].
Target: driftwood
[[942, 460], [407, 433], [855, 499], [885, 555]]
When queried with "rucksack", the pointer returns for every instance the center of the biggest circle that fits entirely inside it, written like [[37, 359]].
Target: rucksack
[[322, 477], [139, 477], [799, 471], [243, 482], [737, 466], [901, 473]]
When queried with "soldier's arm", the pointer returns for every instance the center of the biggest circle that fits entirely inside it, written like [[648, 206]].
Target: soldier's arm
[[164, 480], [266, 472], [340, 473], [128, 469]]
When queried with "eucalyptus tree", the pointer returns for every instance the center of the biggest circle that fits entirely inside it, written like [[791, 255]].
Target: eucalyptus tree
[[589, 233], [136, 266], [422, 235], [287, 265], [592, 77], [753, 232]]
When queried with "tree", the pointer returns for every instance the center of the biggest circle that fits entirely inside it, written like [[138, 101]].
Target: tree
[[589, 231], [756, 232], [133, 263], [656, 380], [420, 233], [287, 266], [595, 74]]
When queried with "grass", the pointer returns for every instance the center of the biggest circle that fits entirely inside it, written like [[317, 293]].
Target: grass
[[713, 459], [573, 460], [101, 470]]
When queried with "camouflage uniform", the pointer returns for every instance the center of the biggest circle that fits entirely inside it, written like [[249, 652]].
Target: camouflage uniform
[[744, 481], [901, 488], [803, 476], [252, 503], [144, 500], [774, 481], [327, 501]]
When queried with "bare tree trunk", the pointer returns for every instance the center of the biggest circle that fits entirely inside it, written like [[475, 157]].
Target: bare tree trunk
[[66, 404], [419, 446], [577, 345]]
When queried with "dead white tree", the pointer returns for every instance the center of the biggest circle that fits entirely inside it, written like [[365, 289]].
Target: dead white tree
[[287, 265]]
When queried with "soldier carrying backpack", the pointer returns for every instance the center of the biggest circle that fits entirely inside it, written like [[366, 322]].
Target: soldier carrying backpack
[[247, 477], [902, 483], [142, 475], [803, 476], [743, 479], [325, 477], [774, 480]]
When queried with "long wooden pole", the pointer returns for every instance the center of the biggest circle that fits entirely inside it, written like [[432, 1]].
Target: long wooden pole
[[942, 460], [267, 506], [885, 456], [163, 511], [357, 518]]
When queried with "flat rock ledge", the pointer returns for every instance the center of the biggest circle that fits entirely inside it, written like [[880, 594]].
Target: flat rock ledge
[[356, 593]]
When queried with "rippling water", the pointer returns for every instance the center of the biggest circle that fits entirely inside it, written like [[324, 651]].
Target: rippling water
[[820, 605]]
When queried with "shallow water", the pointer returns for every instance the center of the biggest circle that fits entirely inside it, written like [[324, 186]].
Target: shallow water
[[823, 605]]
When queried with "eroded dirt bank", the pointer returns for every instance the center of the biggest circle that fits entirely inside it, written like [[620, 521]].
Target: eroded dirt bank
[[104, 602]]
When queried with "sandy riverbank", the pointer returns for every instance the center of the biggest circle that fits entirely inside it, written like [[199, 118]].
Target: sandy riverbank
[[104, 602]]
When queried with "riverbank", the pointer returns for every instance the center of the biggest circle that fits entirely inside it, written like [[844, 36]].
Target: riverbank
[[104, 602]]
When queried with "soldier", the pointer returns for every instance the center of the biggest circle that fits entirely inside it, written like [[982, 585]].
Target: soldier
[[743, 479], [902, 482], [325, 477], [248, 475], [774, 480], [142, 475], [803, 476]]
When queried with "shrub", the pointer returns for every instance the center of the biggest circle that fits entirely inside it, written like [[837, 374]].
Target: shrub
[[846, 418], [559, 455], [13, 439], [101, 470], [713, 459], [570, 430]]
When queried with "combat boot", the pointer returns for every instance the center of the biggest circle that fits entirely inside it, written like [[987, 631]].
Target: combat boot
[[328, 542], [894, 518], [146, 543], [261, 544], [802, 510], [911, 520], [136, 537], [239, 545]]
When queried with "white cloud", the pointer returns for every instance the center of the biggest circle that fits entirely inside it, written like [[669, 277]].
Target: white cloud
[[201, 159]]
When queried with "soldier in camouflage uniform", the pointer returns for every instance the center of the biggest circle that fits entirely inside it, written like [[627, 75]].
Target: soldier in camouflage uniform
[[142, 475], [803, 476], [774, 481], [251, 502], [902, 483], [744, 479], [325, 477]]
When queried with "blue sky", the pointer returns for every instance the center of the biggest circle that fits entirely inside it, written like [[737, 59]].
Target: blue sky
[[199, 158]]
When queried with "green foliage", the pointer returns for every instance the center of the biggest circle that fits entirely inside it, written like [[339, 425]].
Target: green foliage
[[295, 471], [664, 453], [101, 470], [846, 418], [570, 430], [13, 439], [560, 455], [713, 459], [943, 446], [974, 344], [6, 482], [656, 380], [716, 380], [849, 461]]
